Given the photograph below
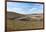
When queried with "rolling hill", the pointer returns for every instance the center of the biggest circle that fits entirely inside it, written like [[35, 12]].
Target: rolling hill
[[17, 21]]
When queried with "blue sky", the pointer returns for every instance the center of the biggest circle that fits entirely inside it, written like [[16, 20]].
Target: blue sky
[[24, 8]]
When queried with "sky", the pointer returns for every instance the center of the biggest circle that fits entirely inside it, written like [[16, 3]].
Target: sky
[[24, 8]]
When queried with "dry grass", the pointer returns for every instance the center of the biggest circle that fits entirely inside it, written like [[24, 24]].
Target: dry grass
[[16, 24]]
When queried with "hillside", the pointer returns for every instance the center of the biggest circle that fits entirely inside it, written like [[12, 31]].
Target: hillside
[[13, 15], [17, 21]]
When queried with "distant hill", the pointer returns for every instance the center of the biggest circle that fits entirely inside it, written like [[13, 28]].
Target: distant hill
[[13, 15]]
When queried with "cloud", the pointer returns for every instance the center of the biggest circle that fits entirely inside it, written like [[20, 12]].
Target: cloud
[[25, 9]]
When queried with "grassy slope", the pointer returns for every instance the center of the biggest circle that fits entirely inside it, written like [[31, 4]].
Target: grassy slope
[[17, 25]]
